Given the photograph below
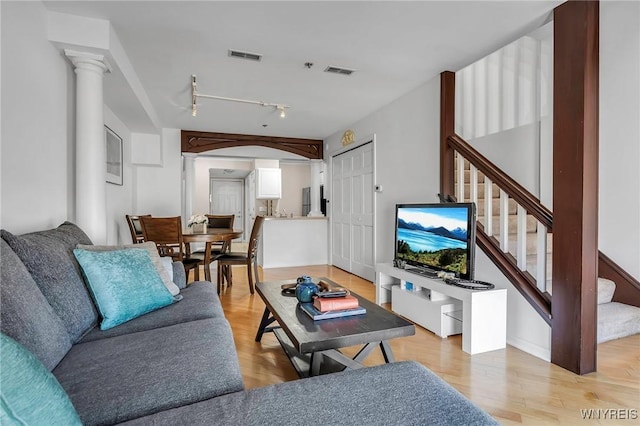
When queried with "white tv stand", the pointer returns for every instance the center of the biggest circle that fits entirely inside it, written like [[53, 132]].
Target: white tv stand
[[481, 315]]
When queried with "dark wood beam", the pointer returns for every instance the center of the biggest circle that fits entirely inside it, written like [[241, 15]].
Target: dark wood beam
[[197, 142], [575, 186], [447, 129]]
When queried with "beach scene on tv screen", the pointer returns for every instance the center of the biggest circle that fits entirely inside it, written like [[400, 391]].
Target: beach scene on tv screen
[[435, 237]]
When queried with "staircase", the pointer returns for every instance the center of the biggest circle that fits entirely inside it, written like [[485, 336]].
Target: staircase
[[521, 238], [508, 97]]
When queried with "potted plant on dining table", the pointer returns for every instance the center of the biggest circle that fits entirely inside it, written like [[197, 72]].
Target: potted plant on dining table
[[198, 223]]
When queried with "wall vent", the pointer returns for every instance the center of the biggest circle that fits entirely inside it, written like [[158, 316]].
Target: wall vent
[[338, 70], [245, 55]]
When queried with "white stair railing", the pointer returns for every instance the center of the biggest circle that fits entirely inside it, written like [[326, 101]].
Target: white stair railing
[[529, 251]]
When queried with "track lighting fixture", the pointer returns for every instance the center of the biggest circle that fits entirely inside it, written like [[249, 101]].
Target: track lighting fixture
[[195, 95]]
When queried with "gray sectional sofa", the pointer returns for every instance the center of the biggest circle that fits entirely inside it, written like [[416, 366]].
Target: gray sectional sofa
[[178, 364]]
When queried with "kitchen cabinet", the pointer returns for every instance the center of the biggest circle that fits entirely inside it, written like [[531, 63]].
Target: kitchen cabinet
[[268, 184]]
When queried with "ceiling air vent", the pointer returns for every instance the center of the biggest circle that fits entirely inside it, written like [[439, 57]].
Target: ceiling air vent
[[245, 55], [338, 70]]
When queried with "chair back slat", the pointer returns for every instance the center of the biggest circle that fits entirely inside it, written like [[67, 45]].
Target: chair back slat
[[166, 232], [221, 220], [135, 227]]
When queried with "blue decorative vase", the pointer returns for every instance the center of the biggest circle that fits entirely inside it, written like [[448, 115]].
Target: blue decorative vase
[[305, 289]]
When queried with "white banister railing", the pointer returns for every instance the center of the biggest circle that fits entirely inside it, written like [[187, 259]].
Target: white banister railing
[[504, 221], [516, 233], [488, 206]]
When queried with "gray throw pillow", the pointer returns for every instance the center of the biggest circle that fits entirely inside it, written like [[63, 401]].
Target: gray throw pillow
[[48, 256], [25, 314]]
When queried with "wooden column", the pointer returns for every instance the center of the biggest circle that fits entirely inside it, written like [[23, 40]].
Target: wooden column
[[447, 128], [575, 186]]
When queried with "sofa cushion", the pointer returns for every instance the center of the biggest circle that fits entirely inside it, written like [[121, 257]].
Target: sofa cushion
[[25, 314], [49, 259], [158, 262], [200, 301], [123, 283], [403, 393], [29, 393], [121, 378]]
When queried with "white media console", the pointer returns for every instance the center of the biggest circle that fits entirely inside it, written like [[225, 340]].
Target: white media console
[[481, 315]]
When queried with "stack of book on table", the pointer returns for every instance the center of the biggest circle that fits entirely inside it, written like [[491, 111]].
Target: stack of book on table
[[325, 307]]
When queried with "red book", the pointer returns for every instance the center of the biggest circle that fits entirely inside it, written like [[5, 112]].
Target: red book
[[325, 304]]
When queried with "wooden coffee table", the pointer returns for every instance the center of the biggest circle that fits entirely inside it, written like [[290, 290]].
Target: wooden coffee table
[[313, 346]]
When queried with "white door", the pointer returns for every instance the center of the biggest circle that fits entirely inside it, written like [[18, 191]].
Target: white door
[[227, 198], [352, 211], [341, 212]]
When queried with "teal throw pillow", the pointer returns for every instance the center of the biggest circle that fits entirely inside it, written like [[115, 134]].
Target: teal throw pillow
[[29, 393], [124, 284]]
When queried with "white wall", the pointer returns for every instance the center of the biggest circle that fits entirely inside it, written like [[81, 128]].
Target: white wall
[[526, 330], [407, 155], [516, 152], [159, 188], [37, 146], [619, 191], [295, 176], [120, 198]]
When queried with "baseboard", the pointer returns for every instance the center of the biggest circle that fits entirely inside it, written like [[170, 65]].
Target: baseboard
[[530, 348]]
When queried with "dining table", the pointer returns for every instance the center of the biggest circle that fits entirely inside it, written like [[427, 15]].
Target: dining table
[[208, 236]]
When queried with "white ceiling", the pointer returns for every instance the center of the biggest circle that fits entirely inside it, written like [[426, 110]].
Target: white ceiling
[[393, 46]]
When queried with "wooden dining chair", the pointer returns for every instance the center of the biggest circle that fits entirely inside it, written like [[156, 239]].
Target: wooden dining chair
[[135, 227], [166, 232], [250, 258], [220, 221], [216, 221]]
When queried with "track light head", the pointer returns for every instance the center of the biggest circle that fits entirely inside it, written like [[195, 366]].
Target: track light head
[[194, 96]]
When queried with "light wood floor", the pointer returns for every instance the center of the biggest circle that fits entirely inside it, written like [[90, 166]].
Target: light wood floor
[[511, 385]]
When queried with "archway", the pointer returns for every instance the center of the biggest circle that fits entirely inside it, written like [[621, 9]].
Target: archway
[[198, 142]]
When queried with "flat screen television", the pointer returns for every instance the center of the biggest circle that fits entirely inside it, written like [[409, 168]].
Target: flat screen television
[[436, 237]]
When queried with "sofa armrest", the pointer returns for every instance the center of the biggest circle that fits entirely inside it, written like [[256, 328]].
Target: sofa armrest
[[398, 393], [179, 276]]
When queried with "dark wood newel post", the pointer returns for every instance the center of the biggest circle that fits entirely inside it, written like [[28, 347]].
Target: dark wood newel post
[[575, 186], [447, 128]]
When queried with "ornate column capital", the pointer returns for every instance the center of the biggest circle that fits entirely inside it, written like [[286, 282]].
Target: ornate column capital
[[88, 61]]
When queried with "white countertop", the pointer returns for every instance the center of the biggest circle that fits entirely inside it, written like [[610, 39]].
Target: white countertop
[[296, 218]]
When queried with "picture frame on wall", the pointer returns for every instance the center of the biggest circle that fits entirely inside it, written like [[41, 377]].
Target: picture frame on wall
[[114, 156]]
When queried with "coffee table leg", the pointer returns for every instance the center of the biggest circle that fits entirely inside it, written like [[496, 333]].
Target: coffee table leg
[[365, 351], [264, 323], [385, 348], [316, 362]]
